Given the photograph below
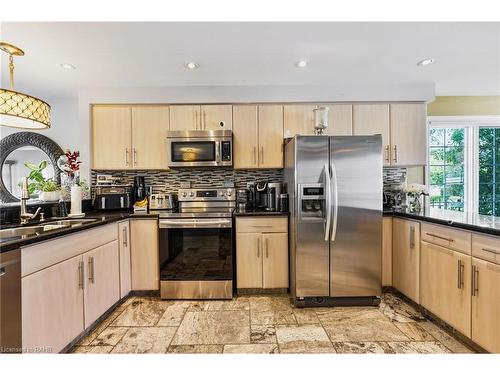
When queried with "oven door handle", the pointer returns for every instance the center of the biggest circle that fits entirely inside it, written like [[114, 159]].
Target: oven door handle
[[218, 145], [221, 223]]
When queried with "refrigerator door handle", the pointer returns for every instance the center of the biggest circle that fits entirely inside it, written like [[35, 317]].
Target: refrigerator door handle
[[328, 202], [334, 202]]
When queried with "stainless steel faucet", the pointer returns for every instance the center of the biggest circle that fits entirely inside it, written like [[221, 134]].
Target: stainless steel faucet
[[24, 215]]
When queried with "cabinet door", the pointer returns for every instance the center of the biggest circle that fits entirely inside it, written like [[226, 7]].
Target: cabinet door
[[339, 119], [149, 137], [185, 117], [144, 255], [275, 260], [387, 252], [245, 136], [111, 137], [248, 260], [368, 119], [216, 117], [445, 285], [298, 119], [52, 305], [408, 134], [270, 136], [486, 305], [102, 280], [124, 244], [406, 257]]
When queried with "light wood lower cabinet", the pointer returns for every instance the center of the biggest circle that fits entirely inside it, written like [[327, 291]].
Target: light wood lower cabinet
[[486, 305], [144, 254], [445, 285], [261, 256], [387, 252], [406, 257], [102, 280], [125, 270], [52, 306]]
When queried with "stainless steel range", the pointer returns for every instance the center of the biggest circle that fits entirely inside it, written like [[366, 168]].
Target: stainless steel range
[[196, 245]]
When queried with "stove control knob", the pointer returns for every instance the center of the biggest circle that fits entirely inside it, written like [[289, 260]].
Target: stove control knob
[[191, 194], [221, 193], [229, 193], [184, 194]]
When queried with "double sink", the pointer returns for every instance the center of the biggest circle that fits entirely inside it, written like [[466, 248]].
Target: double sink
[[42, 228]]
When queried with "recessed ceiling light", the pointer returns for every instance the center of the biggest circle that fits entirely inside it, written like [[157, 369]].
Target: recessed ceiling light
[[191, 65], [301, 64], [425, 62], [68, 66]]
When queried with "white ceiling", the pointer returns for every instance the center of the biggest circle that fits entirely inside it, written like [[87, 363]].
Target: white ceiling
[[153, 55]]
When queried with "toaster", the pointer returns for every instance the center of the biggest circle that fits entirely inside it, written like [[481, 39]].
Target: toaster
[[162, 201]]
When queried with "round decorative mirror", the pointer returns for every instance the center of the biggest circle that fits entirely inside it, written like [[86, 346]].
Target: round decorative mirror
[[20, 153]]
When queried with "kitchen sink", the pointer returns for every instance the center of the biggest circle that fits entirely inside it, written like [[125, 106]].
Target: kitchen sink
[[39, 229]]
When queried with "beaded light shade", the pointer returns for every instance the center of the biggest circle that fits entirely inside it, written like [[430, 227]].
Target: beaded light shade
[[20, 110]]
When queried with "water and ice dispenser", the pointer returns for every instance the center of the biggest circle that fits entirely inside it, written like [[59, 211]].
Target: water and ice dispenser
[[312, 203]]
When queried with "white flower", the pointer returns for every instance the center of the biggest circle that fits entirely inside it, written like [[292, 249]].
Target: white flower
[[415, 189]]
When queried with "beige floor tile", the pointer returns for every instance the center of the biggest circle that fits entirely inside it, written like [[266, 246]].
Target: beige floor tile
[[262, 334], [145, 340], [267, 317], [99, 328], [213, 327], [251, 349], [239, 303], [398, 310], [414, 331], [306, 338], [195, 349], [306, 316], [110, 336], [142, 312], [362, 347], [270, 303], [173, 314], [125, 303], [444, 338], [418, 347], [102, 349]]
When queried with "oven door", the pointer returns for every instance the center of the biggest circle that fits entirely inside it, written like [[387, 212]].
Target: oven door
[[196, 256]]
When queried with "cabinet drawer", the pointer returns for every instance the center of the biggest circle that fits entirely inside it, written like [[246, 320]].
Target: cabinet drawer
[[261, 225], [47, 253], [454, 239], [486, 247]]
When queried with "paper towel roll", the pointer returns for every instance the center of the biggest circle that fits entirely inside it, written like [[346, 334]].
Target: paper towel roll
[[76, 200]]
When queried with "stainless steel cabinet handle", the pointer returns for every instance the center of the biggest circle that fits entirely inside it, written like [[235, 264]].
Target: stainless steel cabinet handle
[[254, 155], [135, 156], [204, 120], [258, 247], [196, 120], [262, 155], [80, 275], [395, 153], [491, 251], [440, 237], [387, 153], [124, 236], [126, 156], [267, 250], [475, 286], [460, 279], [412, 237], [91, 270]]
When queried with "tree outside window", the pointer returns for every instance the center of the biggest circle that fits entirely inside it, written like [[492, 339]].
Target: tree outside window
[[489, 171]]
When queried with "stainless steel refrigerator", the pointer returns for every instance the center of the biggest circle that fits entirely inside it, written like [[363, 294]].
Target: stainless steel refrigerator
[[335, 190]]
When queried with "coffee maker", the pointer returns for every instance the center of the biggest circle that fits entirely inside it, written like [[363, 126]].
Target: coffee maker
[[267, 195], [140, 189]]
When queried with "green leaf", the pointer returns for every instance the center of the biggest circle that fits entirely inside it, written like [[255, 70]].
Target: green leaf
[[42, 165], [31, 166]]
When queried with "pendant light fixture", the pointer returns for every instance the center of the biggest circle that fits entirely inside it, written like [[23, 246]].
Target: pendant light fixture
[[20, 110]]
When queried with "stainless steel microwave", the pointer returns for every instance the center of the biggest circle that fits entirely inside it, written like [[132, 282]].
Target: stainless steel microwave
[[200, 148]]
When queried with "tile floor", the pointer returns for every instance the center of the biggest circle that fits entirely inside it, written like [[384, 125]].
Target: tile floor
[[265, 324]]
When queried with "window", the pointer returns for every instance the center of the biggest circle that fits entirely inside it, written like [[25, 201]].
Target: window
[[464, 164]]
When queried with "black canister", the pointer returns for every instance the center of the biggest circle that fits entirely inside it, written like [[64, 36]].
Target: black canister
[[283, 202]]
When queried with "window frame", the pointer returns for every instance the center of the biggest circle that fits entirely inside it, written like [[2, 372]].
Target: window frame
[[471, 124]]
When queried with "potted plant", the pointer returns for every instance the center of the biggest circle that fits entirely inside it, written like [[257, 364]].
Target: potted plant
[[47, 188], [49, 191]]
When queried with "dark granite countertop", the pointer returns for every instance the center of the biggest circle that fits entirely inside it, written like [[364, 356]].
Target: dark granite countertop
[[103, 217], [464, 220], [259, 212]]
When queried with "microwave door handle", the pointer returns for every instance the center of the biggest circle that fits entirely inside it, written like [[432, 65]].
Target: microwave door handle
[[218, 145], [328, 202], [335, 202]]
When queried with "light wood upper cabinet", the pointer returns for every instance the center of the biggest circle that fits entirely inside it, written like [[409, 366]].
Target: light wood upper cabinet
[[144, 254], [111, 137], [339, 119], [387, 252], [249, 260], [298, 119], [185, 117], [52, 305], [408, 134], [124, 245], [486, 305], [368, 119], [102, 280], [245, 136], [270, 136], [406, 257], [275, 260], [216, 117], [150, 125], [258, 136], [445, 285]]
